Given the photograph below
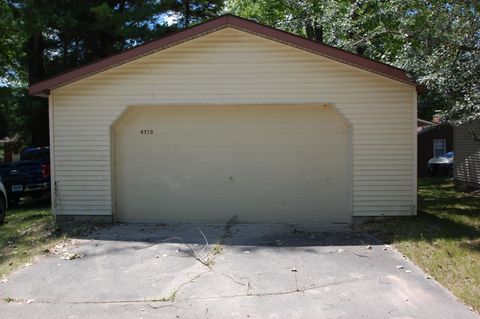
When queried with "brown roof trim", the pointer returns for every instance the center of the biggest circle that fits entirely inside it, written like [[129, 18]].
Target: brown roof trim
[[42, 88], [425, 122]]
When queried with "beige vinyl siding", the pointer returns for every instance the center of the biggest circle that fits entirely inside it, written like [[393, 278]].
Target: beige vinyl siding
[[228, 67], [467, 153]]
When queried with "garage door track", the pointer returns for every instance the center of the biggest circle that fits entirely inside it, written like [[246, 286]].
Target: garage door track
[[233, 271]]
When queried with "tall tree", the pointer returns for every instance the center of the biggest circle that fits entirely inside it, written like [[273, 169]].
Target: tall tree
[[10, 50]]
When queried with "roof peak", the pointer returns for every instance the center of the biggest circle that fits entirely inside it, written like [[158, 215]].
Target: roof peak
[[43, 88]]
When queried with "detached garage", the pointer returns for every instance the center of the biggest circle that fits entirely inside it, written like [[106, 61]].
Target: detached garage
[[231, 119]]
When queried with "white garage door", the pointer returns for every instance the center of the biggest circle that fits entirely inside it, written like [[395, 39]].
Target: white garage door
[[262, 164]]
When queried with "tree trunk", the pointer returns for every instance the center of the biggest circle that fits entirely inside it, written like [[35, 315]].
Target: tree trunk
[[187, 13], [35, 49], [314, 31], [107, 45], [65, 52]]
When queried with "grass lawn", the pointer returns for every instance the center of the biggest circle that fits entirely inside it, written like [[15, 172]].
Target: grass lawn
[[444, 239], [28, 231]]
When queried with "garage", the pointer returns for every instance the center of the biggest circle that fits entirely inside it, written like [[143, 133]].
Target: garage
[[232, 121], [250, 163]]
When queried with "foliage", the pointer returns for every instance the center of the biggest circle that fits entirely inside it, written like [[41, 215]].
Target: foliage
[[187, 12], [436, 41], [10, 51], [11, 119], [69, 33]]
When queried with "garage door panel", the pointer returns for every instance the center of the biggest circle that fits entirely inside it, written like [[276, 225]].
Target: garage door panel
[[209, 163], [211, 155], [224, 180]]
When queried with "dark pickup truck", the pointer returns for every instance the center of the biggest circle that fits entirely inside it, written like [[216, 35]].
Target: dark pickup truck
[[30, 176]]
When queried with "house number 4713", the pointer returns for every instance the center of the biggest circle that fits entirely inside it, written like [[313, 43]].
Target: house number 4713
[[146, 132]]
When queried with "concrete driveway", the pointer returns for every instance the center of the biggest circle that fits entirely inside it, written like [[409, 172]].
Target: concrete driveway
[[144, 271]]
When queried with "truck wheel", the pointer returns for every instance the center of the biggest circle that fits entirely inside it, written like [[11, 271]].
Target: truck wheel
[[2, 209]]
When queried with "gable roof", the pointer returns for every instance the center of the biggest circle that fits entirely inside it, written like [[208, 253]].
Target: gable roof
[[421, 130], [44, 87]]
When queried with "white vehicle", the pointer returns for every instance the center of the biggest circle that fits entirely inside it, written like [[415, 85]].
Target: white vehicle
[[3, 201], [441, 165]]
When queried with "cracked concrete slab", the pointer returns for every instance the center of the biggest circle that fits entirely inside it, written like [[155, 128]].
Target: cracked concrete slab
[[262, 271]]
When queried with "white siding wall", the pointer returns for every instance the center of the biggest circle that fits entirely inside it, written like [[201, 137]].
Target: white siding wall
[[467, 153], [233, 67]]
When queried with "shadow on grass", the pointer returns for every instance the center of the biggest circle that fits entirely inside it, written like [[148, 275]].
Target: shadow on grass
[[443, 213], [473, 245], [424, 227], [29, 204]]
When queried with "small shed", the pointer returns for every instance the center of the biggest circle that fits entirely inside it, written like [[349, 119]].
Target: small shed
[[231, 119], [10, 148], [466, 163], [433, 141]]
